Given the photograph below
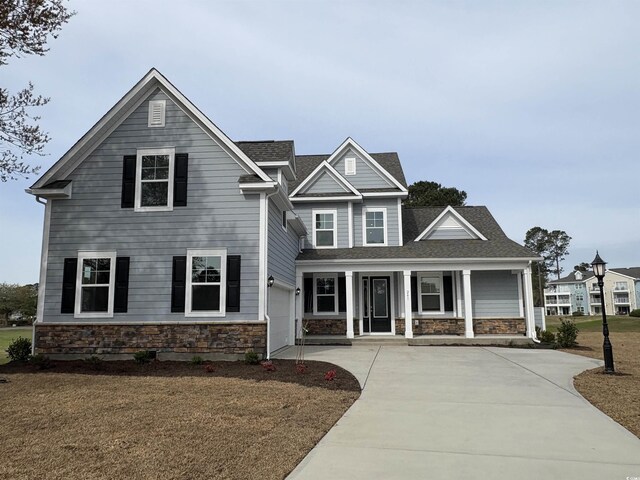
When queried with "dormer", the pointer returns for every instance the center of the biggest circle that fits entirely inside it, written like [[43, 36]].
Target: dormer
[[450, 225]]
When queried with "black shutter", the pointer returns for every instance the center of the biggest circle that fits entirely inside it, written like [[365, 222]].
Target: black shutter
[[67, 305], [180, 180], [128, 181], [121, 294], [447, 287], [233, 283], [308, 295], [342, 294], [178, 284], [414, 294]]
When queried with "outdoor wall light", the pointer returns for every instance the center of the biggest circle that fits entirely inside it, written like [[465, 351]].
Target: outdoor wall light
[[599, 270], [270, 281], [297, 291]]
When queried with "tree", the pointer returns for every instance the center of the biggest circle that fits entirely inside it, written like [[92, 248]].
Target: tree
[[25, 28], [16, 299], [582, 267], [551, 246], [433, 194]]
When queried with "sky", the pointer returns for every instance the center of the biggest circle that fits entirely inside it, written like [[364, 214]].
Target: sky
[[532, 108]]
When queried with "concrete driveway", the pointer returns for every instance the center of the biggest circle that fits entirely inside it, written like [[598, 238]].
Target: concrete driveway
[[467, 412]]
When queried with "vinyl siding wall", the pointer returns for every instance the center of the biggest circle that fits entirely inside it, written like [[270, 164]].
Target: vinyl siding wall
[[282, 248], [325, 184], [391, 204], [365, 177], [494, 294], [304, 211], [217, 216]]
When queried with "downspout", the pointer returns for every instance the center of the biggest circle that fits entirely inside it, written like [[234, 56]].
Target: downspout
[[266, 264], [41, 283]]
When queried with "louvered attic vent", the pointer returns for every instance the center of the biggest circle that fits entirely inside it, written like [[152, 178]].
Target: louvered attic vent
[[156, 113]]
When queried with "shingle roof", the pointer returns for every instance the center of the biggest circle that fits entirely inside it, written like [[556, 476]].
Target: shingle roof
[[268, 150], [629, 271], [305, 164], [571, 278], [415, 220]]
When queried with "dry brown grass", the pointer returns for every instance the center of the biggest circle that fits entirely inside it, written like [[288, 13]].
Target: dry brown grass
[[72, 426], [616, 395]]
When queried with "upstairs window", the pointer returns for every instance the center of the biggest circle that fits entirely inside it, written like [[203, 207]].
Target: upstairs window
[[154, 179], [375, 226], [324, 228]]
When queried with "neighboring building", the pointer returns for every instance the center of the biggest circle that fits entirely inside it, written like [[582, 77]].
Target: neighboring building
[[161, 233], [579, 292]]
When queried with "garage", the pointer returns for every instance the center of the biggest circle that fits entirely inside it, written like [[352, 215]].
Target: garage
[[281, 317]]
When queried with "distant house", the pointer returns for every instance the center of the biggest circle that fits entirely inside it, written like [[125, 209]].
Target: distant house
[[163, 234], [579, 292]]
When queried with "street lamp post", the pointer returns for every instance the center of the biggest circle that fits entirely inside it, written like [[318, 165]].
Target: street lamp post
[[598, 266]]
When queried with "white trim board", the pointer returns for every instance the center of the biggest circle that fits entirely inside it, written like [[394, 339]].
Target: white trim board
[[463, 223], [332, 172]]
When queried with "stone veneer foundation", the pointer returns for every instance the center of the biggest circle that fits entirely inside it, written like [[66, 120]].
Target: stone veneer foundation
[[189, 338], [455, 326], [329, 326], [499, 326]]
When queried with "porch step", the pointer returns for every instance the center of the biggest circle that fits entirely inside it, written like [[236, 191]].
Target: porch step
[[379, 340], [325, 340], [488, 340]]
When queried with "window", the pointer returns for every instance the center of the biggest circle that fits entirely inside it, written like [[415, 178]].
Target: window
[[431, 293], [206, 277], [579, 297], [326, 294], [154, 179], [324, 228], [581, 309], [622, 286], [375, 226], [350, 166], [95, 282], [284, 220], [157, 110]]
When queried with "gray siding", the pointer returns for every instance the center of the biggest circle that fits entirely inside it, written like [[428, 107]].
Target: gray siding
[[494, 294], [217, 216], [282, 248], [304, 211], [391, 204], [325, 184], [365, 177], [450, 234]]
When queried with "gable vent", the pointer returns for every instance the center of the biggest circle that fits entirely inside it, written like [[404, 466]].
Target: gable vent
[[157, 113], [349, 166]]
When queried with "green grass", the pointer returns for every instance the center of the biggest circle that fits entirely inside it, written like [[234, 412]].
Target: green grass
[[8, 335], [617, 323]]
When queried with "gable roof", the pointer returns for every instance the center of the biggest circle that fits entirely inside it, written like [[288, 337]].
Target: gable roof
[[325, 167], [306, 164], [121, 110], [415, 220], [632, 272], [268, 150], [459, 219]]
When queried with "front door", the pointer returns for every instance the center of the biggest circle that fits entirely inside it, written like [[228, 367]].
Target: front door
[[377, 312]]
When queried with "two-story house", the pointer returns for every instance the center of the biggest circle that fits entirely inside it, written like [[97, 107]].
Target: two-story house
[[163, 234], [579, 292]]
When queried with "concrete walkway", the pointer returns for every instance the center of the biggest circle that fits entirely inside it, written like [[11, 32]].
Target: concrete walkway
[[467, 412]]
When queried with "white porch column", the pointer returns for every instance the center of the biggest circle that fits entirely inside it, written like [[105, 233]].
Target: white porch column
[[408, 316], [468, 313], [299, 304], [528, 301], [349, 291]]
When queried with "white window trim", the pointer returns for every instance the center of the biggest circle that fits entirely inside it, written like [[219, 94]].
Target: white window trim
[[335, 228], [152, 104], [138, 195], [222, 253], [364, 226], [82, 255], [422, 275], [348, 171], [315, 293]]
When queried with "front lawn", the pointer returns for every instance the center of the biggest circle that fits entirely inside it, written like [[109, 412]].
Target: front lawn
[[166, 422], [617, 323], [8, 335]]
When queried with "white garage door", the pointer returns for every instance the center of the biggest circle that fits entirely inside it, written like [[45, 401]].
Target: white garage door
[[280, 315]]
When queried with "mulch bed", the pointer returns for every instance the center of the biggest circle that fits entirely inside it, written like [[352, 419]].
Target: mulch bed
[[285, 371]]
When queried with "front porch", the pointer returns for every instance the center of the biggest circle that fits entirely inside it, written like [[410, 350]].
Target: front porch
[[420, 340]]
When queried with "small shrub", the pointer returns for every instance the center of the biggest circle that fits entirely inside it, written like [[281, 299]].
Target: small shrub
[[19, 350], [635, 313], [251, 357], [301, 368], [567, 334], [40, 361], [94, 362], [330, 375], [545, 336], [143, 356], [268, 366], [196, 360], [209, 368], [577, 314]]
